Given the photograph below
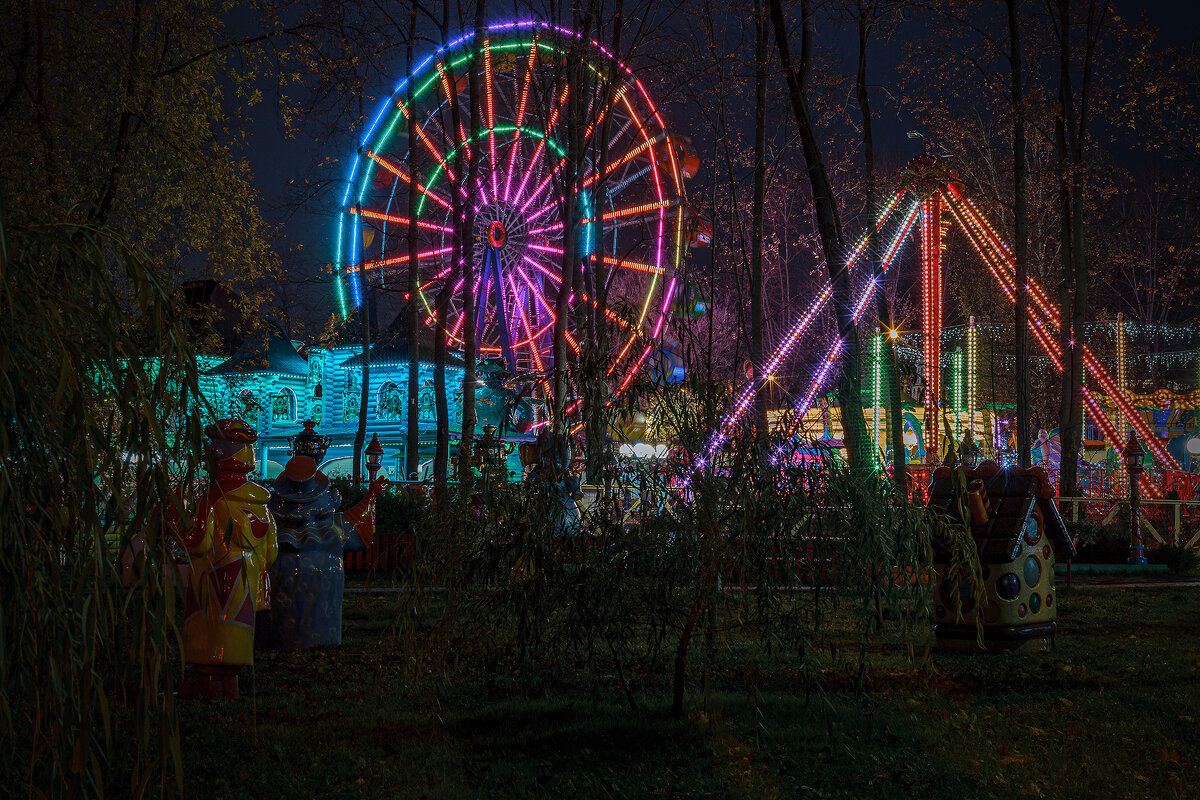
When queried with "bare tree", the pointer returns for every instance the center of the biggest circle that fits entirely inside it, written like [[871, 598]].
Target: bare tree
[[829, 225]]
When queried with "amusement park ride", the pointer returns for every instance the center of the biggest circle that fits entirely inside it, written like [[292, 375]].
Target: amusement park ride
[[631, 215], [931, 194], [633, 231]]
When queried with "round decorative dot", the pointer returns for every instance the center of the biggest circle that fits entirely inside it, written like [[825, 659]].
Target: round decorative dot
[[1032, 571], [1021, 611], [1046, 551], [1049, 600], [1032, 532], [1035, 603], [1008, 587]]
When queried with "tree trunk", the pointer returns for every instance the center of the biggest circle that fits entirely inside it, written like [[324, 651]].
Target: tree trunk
[[829, 226], [1072, 134], [756, 236], [595, 385], [360, 435], [1021, 235], [467, 239], [412, 457], [441, 452], [888, 369]]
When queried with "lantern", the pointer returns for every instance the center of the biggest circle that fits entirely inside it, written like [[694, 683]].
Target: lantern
[[1132, 454], [309, 443], [374, 456]]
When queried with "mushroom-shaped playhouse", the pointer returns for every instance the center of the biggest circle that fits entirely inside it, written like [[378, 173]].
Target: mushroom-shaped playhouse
[[1018, 534]]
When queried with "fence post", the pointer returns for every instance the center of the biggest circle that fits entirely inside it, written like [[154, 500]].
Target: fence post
[[1178, 523]]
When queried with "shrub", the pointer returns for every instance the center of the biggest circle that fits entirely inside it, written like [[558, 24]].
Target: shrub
[[1180, 560], [1100, 544]]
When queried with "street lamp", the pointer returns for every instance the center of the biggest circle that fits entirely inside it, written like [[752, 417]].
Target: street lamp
[[970, 451], [1132, 454], [374, 456]]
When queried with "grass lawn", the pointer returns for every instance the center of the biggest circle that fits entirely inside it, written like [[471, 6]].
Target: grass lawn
[[1111, 712]]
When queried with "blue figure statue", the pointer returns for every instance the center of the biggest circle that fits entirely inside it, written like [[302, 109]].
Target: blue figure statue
[[308, 576]]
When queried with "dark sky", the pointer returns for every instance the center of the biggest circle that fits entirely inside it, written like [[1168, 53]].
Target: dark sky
[[279, 162]]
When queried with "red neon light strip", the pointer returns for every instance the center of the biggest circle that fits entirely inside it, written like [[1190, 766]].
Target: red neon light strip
[[429, 226], [512, 156], [491, 115], [1093, 366], [402, 175], [387, 262]]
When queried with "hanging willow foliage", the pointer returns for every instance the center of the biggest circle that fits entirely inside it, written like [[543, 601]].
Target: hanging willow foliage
[[97, 380]]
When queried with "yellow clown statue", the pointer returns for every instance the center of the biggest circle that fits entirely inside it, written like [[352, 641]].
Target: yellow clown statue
[[230, 543]]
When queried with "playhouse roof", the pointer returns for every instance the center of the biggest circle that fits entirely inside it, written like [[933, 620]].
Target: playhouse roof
[[1013, 494]]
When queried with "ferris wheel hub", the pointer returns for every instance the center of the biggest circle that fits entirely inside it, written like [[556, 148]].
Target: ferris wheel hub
[[497, 234]]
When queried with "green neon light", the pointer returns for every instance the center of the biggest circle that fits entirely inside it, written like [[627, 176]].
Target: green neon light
[[957, 367], [877, 393]]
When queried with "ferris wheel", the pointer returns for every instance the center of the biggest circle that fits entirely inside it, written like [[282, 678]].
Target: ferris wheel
[[631, 227]]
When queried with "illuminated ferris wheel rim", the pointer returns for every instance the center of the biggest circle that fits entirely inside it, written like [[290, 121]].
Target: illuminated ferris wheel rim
[[657, 148], [397, 96]]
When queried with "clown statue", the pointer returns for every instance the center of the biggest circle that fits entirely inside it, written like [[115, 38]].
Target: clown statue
[[230, 543], [308, 577]]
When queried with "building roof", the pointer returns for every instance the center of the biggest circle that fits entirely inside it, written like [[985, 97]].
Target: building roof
[[265, 350], [391, 349]]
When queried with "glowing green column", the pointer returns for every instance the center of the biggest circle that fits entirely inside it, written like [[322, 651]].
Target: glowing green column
[[876, 395], [957, 382]]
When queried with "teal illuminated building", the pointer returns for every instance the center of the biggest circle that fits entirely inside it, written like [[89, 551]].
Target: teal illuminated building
[[277, 384]]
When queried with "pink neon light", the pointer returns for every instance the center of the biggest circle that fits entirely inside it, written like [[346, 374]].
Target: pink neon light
[[784, 349]]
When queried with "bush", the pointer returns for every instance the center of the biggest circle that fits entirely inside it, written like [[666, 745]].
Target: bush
[[396, 511], [1100, 544], [1180, 560]]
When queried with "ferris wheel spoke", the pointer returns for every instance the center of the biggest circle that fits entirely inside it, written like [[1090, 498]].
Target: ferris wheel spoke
[[397, 220], [433, 151], [542, 187], [452, 98], [626, 157], [541, 146], [521, 105], [402, 259], [404, 176], [544, 270]]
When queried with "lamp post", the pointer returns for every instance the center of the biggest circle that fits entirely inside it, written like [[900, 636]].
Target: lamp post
[[1132, 454], [970, 451], [374, 453]]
